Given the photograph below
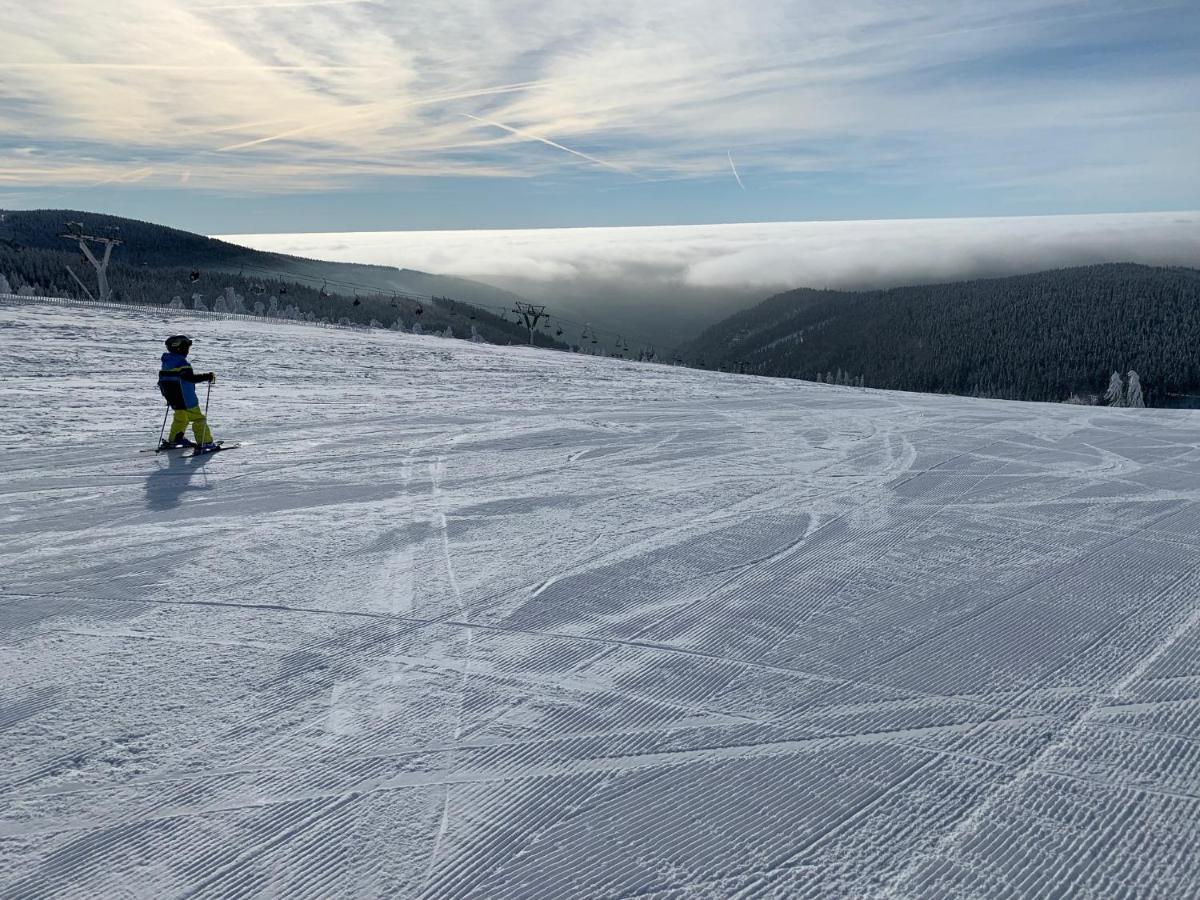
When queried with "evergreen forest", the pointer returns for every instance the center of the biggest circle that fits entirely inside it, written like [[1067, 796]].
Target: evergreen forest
[[1053, 336]]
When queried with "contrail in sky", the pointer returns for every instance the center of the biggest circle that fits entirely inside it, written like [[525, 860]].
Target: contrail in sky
[[733, 168], [550, 143], [128, 176], [374, 107], [282, 4]]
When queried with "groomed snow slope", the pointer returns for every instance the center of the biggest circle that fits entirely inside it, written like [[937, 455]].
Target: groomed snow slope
[[469, 621]]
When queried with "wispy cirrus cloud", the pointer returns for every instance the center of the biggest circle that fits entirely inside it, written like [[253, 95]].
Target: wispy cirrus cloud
[[329, 93]]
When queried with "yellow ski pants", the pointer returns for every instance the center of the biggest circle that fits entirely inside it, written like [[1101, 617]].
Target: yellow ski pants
[[194, 417]]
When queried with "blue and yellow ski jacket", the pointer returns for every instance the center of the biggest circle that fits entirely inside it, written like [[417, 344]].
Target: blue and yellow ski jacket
[[177, 381]]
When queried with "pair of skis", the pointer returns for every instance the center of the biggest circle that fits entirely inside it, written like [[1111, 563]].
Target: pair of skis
[[218, 446]]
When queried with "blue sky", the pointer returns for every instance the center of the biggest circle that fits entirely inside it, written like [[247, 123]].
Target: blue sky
[[354, 115]]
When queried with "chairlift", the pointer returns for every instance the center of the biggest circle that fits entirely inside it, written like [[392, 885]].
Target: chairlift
[[283, 290], [194, 276], [558, 333], [420, 309], [325, 290]]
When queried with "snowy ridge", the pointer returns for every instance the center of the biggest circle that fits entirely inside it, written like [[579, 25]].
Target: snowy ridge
[[462, 620], [164, 309]]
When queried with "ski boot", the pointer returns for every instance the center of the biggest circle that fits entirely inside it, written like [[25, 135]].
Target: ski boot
[[201, 449], [178, 444]]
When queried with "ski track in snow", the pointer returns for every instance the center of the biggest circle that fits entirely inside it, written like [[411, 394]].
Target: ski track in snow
[[470, 621]]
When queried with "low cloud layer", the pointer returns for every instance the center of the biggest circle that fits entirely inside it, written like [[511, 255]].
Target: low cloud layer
[[662, 280], [769, 255]]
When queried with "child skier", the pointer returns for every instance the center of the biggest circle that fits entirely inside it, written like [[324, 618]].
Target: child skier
[[177, 382]]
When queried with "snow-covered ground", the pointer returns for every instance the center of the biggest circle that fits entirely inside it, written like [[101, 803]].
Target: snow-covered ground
[[469, 621]]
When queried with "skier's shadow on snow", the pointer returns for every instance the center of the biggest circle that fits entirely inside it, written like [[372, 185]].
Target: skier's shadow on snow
[[167, 484]]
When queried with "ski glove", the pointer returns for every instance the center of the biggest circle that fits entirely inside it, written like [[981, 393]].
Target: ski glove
[[212, 378]]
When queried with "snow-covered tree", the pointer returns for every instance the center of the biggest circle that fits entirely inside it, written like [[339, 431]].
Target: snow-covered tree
[[220, 304], [5, 287], [26, 290], [1133, 396], [176, 303], [477, 338], [198, 302], [1115, 395], [273, 307], [448, 333], [375, 323], [416, 329], [259, 308]]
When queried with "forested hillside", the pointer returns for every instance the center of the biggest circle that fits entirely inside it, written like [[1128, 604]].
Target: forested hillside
[[155, 264], [1046, 336]]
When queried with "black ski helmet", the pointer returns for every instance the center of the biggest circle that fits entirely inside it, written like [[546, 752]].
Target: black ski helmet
[[179, 343]]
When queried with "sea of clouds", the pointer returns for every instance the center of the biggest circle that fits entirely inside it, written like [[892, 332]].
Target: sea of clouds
[[676, 280]]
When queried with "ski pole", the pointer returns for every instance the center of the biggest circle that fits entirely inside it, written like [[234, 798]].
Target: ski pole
[[163, 430], [207, 427]]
